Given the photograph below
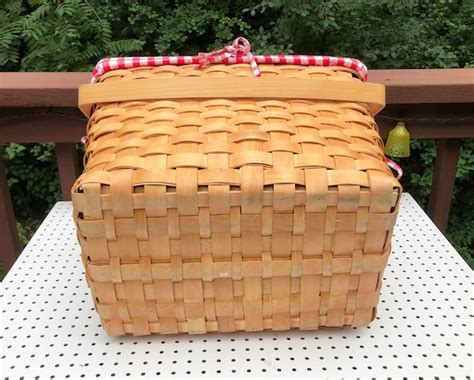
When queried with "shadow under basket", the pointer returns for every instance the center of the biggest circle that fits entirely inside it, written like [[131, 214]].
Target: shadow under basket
[[212, 200]]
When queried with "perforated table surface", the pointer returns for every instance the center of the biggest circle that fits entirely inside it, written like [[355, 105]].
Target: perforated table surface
[[423, 328]]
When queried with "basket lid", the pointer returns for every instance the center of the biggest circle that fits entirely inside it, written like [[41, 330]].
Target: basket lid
[[238, 52]]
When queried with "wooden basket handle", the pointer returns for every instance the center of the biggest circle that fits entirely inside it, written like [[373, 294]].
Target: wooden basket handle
[[232, 87]]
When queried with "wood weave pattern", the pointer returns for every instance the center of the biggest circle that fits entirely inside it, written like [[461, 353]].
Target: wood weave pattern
[[225, 214]]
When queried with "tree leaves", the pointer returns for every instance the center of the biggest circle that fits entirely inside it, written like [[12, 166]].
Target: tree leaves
[[383, 34]]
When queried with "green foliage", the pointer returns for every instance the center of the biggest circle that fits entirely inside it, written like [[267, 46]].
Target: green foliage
[[58, 36], [22, 234], [10, 31], [72, 35], [33, 178]]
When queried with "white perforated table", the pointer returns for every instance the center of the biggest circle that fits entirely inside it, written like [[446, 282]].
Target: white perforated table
[[423, 328]]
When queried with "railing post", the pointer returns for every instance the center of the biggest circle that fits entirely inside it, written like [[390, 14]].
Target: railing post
[[68, 167], [9, 242], [442, 185]]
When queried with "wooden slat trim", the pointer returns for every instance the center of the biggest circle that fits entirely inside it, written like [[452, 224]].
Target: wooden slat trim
[[426, 85], [9, 242], [442, 186], [428, 129], [42, 127], [68, 166], [409, 86], [40, 89], [51, 127]]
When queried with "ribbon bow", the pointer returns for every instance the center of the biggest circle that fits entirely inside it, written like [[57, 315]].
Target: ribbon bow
[[240, 48]]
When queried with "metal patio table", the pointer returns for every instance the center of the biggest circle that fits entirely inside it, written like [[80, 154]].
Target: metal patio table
[[423, 327]]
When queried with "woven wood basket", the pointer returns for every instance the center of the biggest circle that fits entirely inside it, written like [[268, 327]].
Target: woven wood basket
[[212, 200]]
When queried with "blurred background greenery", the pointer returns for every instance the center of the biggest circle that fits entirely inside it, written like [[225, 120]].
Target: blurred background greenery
[[72, 35]]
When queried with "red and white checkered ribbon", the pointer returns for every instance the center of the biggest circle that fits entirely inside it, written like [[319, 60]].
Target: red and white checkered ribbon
[[238, 52], [240, 48], [393, 165]]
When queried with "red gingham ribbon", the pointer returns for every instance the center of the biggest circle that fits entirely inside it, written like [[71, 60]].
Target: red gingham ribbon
[[238, 52], [395, 166], [240, 48]]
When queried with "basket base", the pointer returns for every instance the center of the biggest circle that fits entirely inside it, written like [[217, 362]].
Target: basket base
[[169, 326]]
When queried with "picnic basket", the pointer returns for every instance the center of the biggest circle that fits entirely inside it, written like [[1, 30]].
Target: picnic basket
[[226, 192]]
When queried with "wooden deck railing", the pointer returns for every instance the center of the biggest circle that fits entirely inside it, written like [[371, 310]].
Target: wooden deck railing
[[42, 107]]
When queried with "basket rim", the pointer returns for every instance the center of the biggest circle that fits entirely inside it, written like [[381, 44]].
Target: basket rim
[[119, 63]]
